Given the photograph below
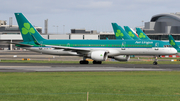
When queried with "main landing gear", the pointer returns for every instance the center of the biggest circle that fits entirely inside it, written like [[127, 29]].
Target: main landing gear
[[155, 61], [97, 62], [84, 61], [87, 62]]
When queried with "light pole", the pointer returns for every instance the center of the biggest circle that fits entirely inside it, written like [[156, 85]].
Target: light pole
[[57, 28], [63, 28], [142, 24]]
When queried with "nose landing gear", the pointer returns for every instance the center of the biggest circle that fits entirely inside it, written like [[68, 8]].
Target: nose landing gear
[[155, 61]]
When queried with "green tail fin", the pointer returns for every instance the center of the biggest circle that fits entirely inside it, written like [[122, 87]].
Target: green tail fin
[[172, 42], [26, 29], [142, 35], [119, 32], [131, 33]]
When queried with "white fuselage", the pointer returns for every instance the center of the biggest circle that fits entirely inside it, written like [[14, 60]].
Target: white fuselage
[[111, 51]]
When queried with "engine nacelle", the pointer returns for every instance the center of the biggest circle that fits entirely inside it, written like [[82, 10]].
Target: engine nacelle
[[122, 57], [99, 55]]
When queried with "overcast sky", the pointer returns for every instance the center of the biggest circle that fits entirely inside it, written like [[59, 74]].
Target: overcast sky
[[89, 14]]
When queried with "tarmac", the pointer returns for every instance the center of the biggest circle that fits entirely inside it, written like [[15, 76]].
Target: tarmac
[[64, 67], [59, 67]]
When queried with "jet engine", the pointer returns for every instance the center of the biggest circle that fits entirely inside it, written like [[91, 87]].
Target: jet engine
[[99, 55], [122, 57]]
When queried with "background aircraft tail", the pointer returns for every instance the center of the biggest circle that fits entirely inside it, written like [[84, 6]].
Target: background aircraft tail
[[120, 33], [131, 33], [142, 35], [28, 32], [134, 32], [174, 44]]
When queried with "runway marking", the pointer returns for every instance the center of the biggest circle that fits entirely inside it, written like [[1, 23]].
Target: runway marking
[[76, 69], [25, 67], [95, 69]]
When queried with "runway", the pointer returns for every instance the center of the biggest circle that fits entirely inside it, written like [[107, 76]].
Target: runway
[[59, 67]]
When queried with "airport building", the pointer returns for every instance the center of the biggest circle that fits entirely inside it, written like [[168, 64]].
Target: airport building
[[161, 25], [158, 28]]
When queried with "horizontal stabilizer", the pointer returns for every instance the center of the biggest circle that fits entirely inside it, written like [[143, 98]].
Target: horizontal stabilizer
[[23, 45], [35, 40]]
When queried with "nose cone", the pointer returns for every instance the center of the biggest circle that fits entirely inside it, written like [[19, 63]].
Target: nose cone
[[173, 51]]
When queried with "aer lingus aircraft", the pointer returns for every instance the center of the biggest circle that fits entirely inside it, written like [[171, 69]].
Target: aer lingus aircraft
[[131, 33], [174, 44], [142, 35], [127, 33], [120, 33], [98, 50]]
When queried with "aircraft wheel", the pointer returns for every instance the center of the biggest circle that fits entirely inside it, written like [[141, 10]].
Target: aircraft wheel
[[155, 63], [97, 62], [83, 62]]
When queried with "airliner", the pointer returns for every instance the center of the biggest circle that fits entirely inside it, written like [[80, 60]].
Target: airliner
[[128, 33], [120, 34], [131, 33], [174, 44], [97, 50], [142, 35]]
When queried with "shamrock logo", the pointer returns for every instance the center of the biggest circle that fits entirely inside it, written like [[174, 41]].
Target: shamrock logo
[[26, 29], [118, 33], [142, 35], [130, 34], [172, 43]]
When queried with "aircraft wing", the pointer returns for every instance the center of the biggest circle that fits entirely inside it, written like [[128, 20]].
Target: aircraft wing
[[69, 48]]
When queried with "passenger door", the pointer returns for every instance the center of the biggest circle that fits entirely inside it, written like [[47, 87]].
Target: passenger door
[[123, 46], [157, 46]]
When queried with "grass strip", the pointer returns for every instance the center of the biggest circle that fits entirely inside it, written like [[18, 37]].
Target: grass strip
[[102, 86]]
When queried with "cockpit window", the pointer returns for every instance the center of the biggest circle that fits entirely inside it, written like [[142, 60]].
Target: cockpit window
[[167, 46]]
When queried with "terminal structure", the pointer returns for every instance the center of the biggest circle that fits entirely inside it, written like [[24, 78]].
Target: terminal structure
[[161, 25]]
